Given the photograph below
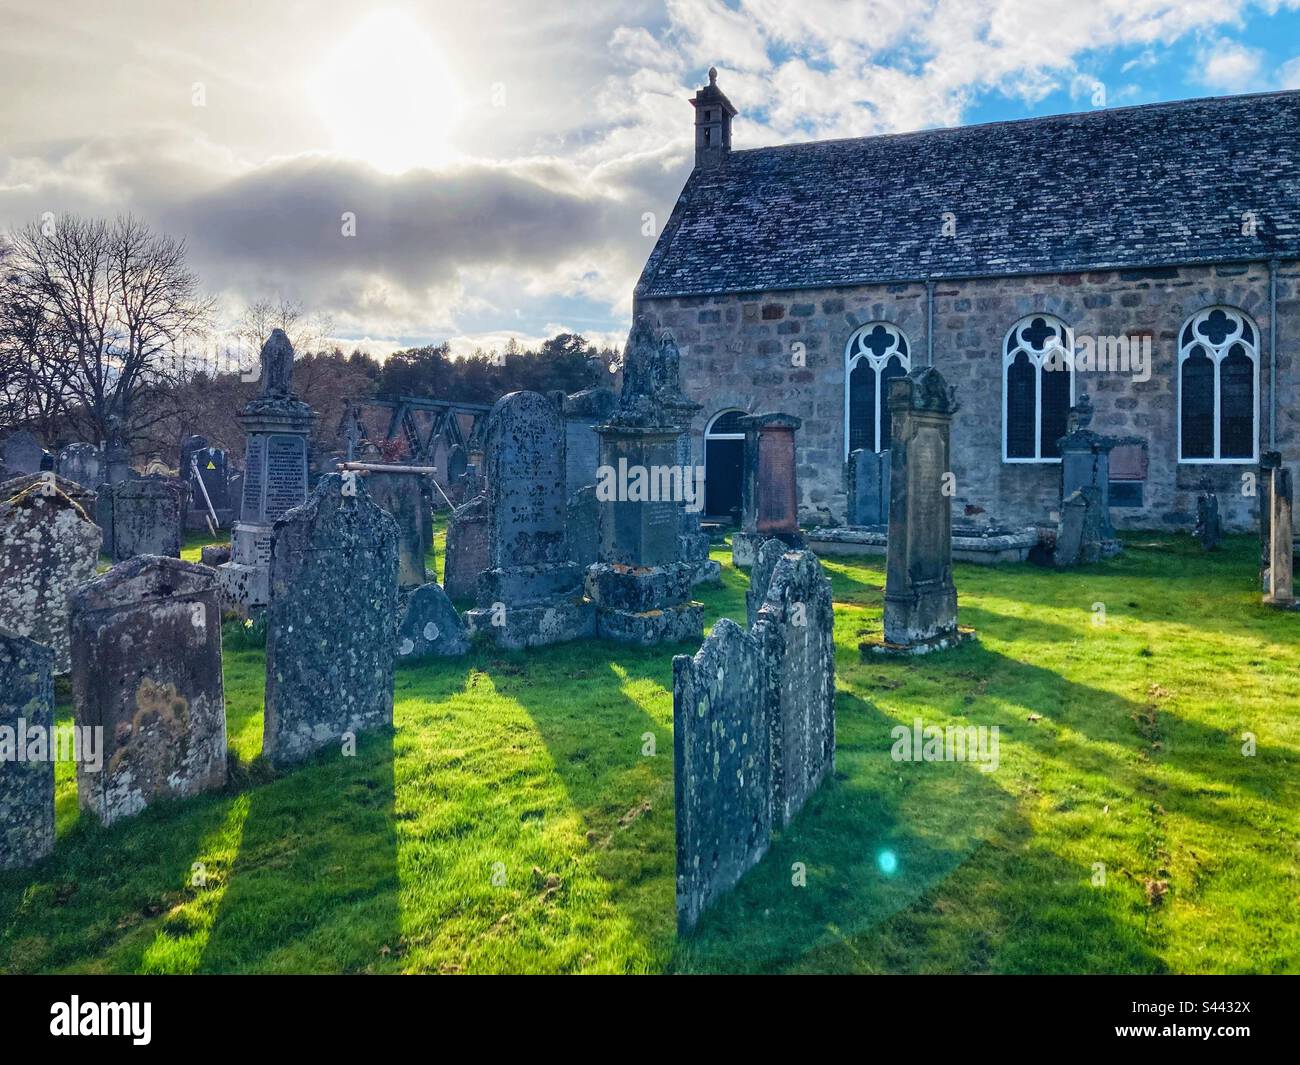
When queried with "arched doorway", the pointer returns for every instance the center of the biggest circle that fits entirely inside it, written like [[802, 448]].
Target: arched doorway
[[724, 454]]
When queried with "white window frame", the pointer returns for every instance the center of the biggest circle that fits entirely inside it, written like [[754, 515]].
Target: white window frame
[[709, 434], [1217, 353], [1036, 359], [877, 363]]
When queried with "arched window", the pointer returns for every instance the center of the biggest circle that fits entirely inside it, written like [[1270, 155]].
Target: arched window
[[1218, 387], [875, 353], [1037, 388]]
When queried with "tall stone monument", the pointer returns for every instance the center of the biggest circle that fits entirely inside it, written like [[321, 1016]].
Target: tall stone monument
[[770, 497], [920, 597], [332, 622], [26, 783], [639, 583], [1268, 462], [531, 593], [276, 426], [146, 668], [1085, 463], [1281, 586]]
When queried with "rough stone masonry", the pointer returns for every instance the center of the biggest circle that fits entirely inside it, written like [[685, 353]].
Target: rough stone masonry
[[146, 668], [331, 625], [26, 783]]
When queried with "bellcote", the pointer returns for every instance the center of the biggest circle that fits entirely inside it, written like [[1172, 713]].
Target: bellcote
[[713, 115]]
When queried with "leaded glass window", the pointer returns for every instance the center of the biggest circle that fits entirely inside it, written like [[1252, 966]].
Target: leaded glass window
[[1037, 388], [875, 353], [1218, 387]]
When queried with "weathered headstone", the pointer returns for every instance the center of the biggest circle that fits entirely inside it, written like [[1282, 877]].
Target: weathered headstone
[[795, 630], [1209, 529], [867, 480], [27, 766], [920, 597], [583, 411], [22, 453], [276, 427], [721, 766], [760, 576], [399, 495], [1281, 586], [83, 464], [147, 516], [1268, 462], [531, 594], [429, 626], [204, 470], [117, 450], [331, 622], [467, 549], [640, 585], [1085, 463], [146, 668], [770, 497], [584, 526], [48, 546]]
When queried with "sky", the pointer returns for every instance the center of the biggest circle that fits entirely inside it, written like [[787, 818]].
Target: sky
[[478, 170]]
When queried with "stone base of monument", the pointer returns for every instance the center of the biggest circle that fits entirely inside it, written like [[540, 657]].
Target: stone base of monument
[[535, 625], [1281, 603], [695, 550], [652, 627], [645, 605], [745, 545], [707, 571], [986, 547], [940, 642], [244, 584]]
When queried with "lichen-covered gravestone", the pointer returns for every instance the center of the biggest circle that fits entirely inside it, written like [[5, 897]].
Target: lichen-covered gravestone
[[148, 515], [429, 626], [466, 554], [584, 526], [531, 593], [48, 546], [795, 631], [332, 621], [722, 767], [26, 724], [83, 464], [760, 576], [146, 667]]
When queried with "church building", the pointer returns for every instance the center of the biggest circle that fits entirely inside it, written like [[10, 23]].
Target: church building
[[1148, 257]]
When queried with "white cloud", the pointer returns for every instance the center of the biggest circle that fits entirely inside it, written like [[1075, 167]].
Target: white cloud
[[1288, 74], [1228, 65]]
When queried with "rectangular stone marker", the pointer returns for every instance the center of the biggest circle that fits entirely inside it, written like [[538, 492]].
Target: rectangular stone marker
[[332, 621], [146, 668], [1268, 462], [722, 767], [1281, 587], [920, 597], [148, 515], [770, 496], [27, 782], [399, 495], [467, 549], [48, 546], [22, 453], [82, 464], [795, 630], [867, 475]]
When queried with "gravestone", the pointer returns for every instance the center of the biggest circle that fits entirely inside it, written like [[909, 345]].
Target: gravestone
[[399, 494], [146, 668], [1079, 534], [920, 597], [146, 516], [1209, 529], [276, 427], [204, 470], [584, 526], [429, 626], [81, 463], [331, 622], [1281, 587], [26, 723], [117, 451], [795, 630], [867, 482], [531, 593], [48, 546], [639, 583], [466, 554], [583, 411], [1085, 463], [770, 497], [22, 453], [760, 575], [1268, 462], [721, 767]]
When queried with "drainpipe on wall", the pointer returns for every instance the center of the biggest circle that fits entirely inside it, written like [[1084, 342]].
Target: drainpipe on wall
[[1272, 354], [929, 321]]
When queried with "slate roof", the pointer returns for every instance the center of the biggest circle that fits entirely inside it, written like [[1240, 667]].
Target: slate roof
[[1160, 184]]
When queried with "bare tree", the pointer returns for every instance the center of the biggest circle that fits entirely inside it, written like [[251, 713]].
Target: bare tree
[[114, 306], [306, 332]]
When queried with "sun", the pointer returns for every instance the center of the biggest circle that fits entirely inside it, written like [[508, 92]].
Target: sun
[[386, 97]]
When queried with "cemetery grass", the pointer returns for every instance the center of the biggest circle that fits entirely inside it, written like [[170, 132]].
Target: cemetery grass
[[1123, 831]]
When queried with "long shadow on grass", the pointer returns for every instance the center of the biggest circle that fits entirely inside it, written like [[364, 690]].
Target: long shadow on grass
[[911, 867], [314, 886]]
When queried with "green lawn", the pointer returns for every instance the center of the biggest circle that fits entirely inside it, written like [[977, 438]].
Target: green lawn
[[1121, 744]]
